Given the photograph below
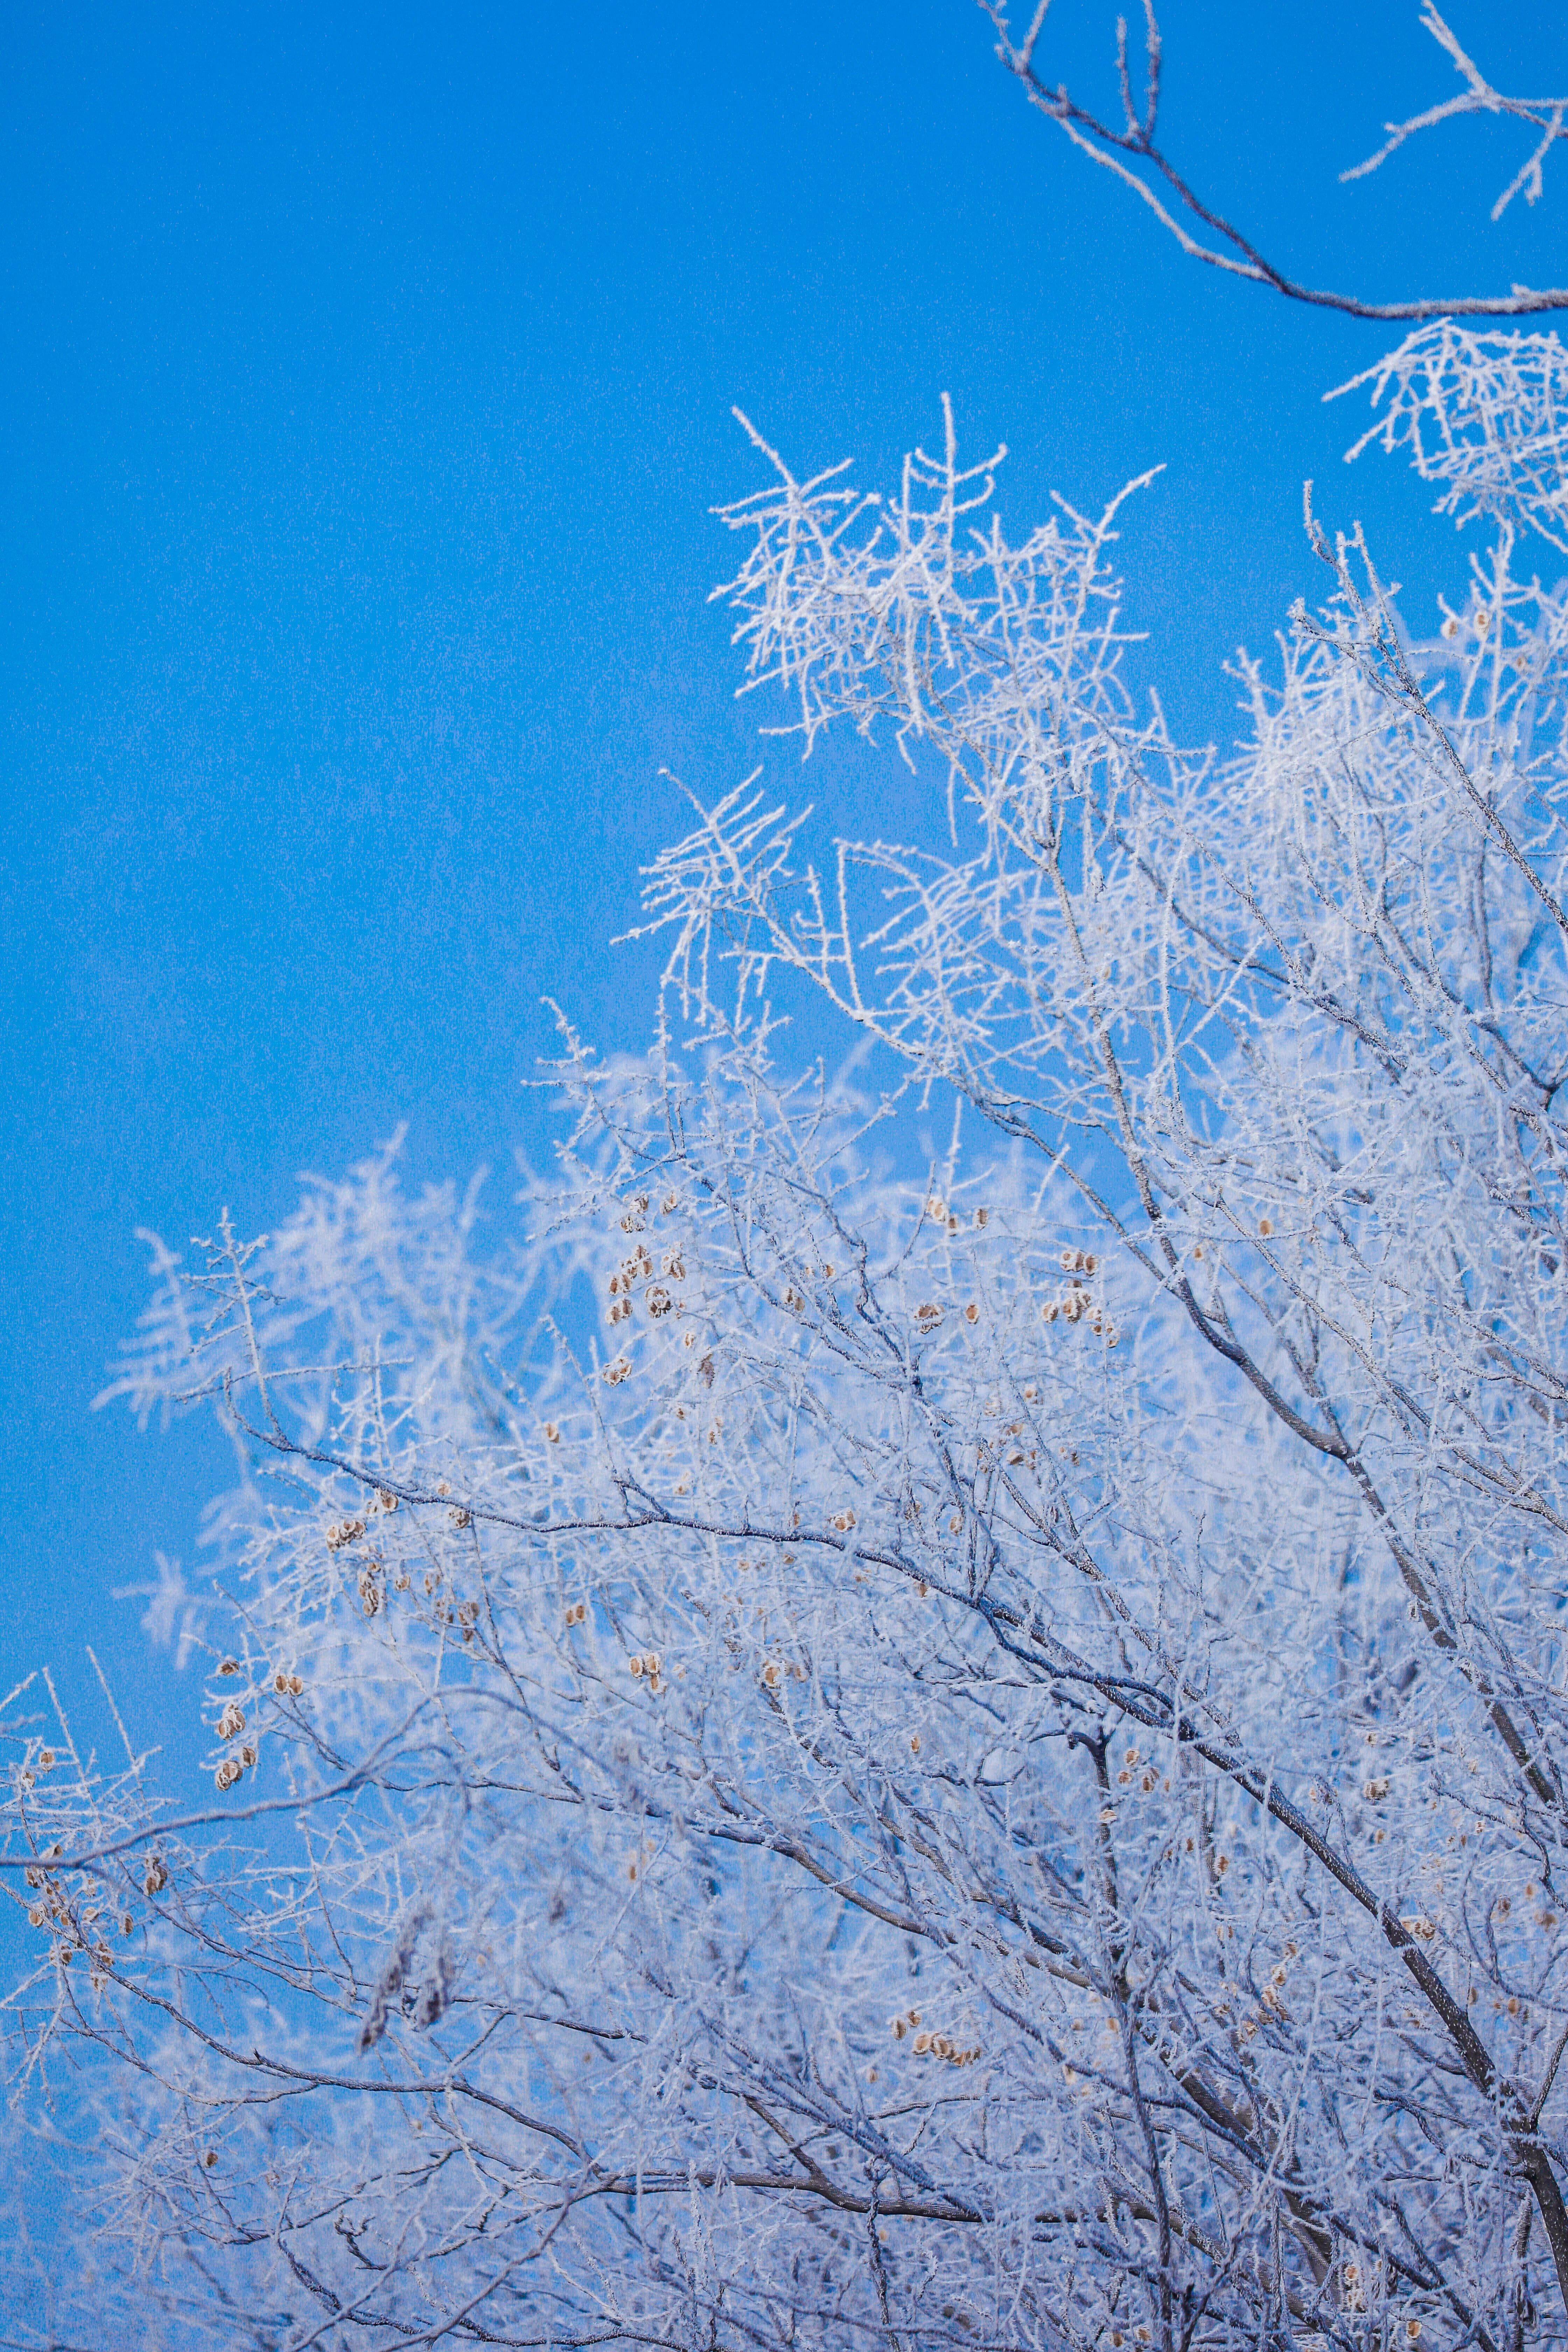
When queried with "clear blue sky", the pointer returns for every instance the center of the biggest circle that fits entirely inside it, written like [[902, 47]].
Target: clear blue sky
[[366, 382]]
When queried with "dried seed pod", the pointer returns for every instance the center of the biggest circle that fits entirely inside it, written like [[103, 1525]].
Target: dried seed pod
[[435, 1992], [46, 1759], [157, 1878], [615, 1372], [552, 1435], [231, 1722], [658, 1300], [231, 1665], [461, 1518], [296, 1687], [927, 1315], [634, 1667], [369, 1592], [386, 1498], [343, 1532], [972, 1313]]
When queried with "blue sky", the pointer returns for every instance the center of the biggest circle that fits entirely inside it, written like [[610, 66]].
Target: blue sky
[[367, 377]]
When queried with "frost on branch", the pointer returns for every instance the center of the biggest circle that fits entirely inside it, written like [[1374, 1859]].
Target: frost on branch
[[943, 1753], [1485, 418]]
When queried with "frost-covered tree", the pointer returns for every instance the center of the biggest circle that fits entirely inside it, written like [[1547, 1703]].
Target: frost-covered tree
[[831, 1749]]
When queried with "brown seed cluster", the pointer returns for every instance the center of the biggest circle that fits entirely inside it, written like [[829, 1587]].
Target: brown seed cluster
[[1078, 1303], [941, 1214], [930, 2045], [577, 1613], [638, 1269], [1270, 2001], [343, 1532], [939, 2046]]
